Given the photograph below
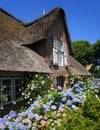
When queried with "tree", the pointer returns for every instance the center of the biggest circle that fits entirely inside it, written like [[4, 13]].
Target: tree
[[96, 48], [83, 52], [96, 59]]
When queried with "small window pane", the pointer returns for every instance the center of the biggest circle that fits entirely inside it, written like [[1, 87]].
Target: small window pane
[[6, 90], [18, 86]]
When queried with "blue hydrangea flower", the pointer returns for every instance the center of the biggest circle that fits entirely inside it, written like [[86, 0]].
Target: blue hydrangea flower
[[76, 85], [18, 119], [46, 110], [48, 104], [12, 114], [2, 126], [23, 114], [73, 107], [69, 93], [3, 120], [69, 102], [60, 105], [31, 116], [12, 125], [59, 88], [82, 83], [63, 99], [51, 101], [49, 96], [77, 90], [76, 100]]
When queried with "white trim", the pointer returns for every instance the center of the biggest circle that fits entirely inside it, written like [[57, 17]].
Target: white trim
[[59, 52]]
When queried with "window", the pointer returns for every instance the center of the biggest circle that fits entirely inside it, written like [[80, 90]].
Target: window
[[17, 87], [60, 81], [6, 89], [59, 52], [9, 89]]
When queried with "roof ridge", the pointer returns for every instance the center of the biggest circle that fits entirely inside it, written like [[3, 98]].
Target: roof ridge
[[57, 9]]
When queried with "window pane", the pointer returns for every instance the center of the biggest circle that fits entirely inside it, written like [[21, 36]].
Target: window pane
[[6, 90], [18, 86], [61, 58], [55, 56]]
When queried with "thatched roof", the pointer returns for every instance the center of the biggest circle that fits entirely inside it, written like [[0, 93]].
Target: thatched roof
[[10, 27], [40, 28], [32, 32], [14, 57], [77, 68]]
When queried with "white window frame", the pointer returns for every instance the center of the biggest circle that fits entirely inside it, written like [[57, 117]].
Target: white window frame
[[59, 52]]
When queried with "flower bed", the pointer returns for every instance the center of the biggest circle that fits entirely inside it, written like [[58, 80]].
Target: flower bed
[[58, 110]]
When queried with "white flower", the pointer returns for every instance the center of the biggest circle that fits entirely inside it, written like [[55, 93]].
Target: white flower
[[97, 98], [42, 82], [36, 75], [20, 89], [23, 94], [1, 108], [29, 93], [30, 99], [28, 102], [28, 85], [14, 102]]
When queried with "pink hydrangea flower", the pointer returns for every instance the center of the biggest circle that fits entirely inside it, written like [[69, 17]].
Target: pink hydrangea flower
[[38, 118], [53, 107], [61, 109], [43, 122], [45, 117]]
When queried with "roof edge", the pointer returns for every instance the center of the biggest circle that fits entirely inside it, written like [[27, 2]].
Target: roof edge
[[57, 9], [10, 15]]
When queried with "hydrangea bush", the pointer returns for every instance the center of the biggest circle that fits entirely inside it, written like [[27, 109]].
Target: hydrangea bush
[[73, 109], [36, 85]]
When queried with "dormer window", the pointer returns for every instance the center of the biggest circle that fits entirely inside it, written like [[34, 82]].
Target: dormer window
[[59, 52]]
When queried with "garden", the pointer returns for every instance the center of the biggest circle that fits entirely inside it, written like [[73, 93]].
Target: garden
[[76, 108]]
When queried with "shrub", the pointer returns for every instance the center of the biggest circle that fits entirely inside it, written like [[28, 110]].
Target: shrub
[[35, 86]]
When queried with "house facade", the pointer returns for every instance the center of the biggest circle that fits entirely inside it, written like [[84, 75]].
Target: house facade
[[42, 46]]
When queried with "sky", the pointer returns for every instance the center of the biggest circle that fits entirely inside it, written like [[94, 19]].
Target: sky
[[83, 16]]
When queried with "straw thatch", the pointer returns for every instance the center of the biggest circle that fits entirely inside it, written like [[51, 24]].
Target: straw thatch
[[40, 28], [77, 68], [14, 57], [15, 35], [34, 31]]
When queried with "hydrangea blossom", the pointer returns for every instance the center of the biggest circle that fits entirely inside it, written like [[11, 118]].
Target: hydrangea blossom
[[53, 107], [59, 88], [63, 99], [31, 116], [12, 114], [69, 102]]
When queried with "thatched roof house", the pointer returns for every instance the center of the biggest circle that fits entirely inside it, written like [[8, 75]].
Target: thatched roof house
[[14, 57], [42, 46]]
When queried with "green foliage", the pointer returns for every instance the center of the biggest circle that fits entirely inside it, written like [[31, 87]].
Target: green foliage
[[87, 53], [3, 98], [83, 52], [91, 108], [35, 86], [96, 48], [73, 79]]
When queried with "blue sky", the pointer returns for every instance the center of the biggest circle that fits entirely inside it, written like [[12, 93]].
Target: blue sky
[[83, 16]]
